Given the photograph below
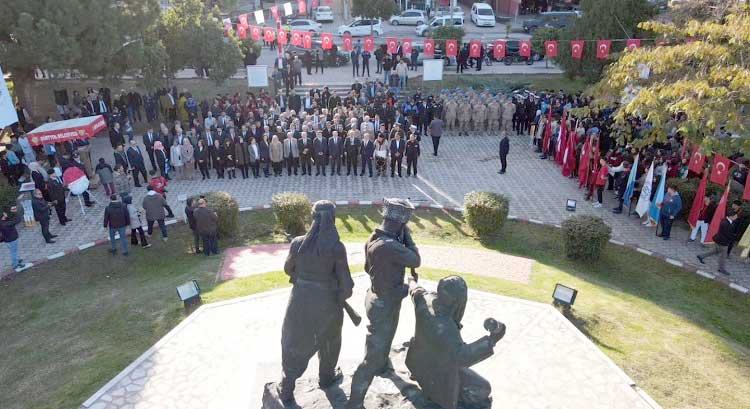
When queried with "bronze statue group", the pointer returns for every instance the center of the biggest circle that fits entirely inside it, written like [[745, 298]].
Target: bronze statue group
[[438, 358]]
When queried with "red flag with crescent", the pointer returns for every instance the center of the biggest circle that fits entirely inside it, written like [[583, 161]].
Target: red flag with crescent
[[392, 45], [275, 12], [498, 49], [268, 34], [719, 214], [307, 39], [301, 7], [720, 170], [348, 42], [429, 48], [255, 32], [550, 49], [282, 37], [698, 202], [243, 21], [524, 48], [369, 44], [602, 49], [746, 193], [697, 160], [406, 46], [451, 48], [633, 44], [576, 49], [297, 38], [242, 32], [327, 40], [475, 48]]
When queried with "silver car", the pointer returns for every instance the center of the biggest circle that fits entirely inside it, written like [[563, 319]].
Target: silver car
[[410, 17], [323, 13], [304, 24]]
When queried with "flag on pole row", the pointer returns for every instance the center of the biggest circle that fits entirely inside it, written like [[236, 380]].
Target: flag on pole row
[[630, 187], [698, 202], [644, 200], [719, 215], [654, 211]]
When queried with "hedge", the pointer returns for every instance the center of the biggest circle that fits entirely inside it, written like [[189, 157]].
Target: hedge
[[485, 212], [584, 237], [292, 211], [226, 208]]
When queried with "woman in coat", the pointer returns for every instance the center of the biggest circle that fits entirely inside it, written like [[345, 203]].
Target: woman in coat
[[162, 161], [217, 158], [201, 156], [381, 154], [277, 155], [39, 177], [188, 160], [176, 158], [241, 156], [228, 157]]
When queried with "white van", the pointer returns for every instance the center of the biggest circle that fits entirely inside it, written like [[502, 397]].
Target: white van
[[424, 29], [482, 15]]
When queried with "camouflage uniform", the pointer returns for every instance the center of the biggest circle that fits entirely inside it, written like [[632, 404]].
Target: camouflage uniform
[[464, 115], [493, 115], [479, 115], [451, 108], [509, 108]]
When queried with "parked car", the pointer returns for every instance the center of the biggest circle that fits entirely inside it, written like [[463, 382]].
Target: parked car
[[362, 27], [323, 13], [552, 19], [438, 54], [482, 15], [446, 11], [305, 25], [342, 57], [411, 17], [424, 29], [512, 53]]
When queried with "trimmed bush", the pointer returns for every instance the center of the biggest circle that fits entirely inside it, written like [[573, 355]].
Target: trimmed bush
[[585, 237], [485, 212], [226, 208], [292, 211]]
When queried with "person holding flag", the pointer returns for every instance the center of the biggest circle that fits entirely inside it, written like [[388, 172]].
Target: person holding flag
[[644, 200], [627, 194], [654, 210], [721, 233]]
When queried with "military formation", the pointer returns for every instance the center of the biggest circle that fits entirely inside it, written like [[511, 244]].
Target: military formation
[[480, 113]]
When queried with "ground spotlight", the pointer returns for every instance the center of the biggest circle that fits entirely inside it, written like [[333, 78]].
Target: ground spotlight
[[564, 295], [189, 293], [570, 205]]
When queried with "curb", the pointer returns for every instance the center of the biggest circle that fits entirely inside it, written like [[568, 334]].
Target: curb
[[10, 274]]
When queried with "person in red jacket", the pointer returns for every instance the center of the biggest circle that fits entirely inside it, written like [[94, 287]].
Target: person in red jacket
[[601, 180], [159, 185]]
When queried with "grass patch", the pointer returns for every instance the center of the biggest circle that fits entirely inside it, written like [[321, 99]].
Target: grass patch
[[72, 324]]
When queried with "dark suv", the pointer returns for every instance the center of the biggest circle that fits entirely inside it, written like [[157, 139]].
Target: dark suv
[[512, 53], [552, 19], [341, 60]]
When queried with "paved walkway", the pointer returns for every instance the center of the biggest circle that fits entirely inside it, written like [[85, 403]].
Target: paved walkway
[[252, 260], [466, 163]]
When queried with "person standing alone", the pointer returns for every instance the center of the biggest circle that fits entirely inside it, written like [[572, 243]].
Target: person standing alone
[[504, 149], [206, 223], [117, 219]]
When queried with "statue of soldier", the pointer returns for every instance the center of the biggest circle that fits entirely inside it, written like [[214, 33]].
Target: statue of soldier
[[438, 358], [464, 116], [318, 268], [388, 252], [451, 108]]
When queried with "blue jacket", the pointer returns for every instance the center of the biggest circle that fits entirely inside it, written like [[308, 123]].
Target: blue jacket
[[672, 205]]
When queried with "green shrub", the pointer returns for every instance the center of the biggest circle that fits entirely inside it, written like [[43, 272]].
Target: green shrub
[[485, 212], [226, 208], [585, 237], [292, 210]]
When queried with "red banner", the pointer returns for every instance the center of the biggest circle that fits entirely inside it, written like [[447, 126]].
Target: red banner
[[243, 21], [242, 32], [369, 44], [347, 42], [255, 32], [406, 46], [550, 49], [429, 48], [275, 12], [498, 49], [524, 48], [269, 34], [602, 49], [576, 49], [451, 48], [307, 39], [720, 169], [746, 193], [697, 160], [282, 37], [301, 7], [327, 41], [475, 48], [632, 45], [296, 38], [698, 202], [392, 45], [71, 129]]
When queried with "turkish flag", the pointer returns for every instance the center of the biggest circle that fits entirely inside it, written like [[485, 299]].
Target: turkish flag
[[429, 48], [524, 48], [314, 4], [275, 12], [255, 33], [268, 34], [406, 46], [746, 193], [451, 48], [282, 37], [719, 215], [602, 49], [576, 49], [348, 42], [498, 49], [242, 32], [296, 38], [698, 202], [243, 20], [327, 40], [475, 47], [720, 170], [307, 39], [697, 160], [392, 45], [632, 45], [550, 49], [301, 7], [369, 44]]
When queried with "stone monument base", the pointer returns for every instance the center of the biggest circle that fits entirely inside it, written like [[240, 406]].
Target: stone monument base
[[393, 390]]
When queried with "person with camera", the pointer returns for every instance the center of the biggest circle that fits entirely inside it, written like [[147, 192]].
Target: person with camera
[[9, 235]]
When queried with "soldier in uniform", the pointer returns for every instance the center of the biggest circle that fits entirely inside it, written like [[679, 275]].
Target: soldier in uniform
[[509, 109], [388, 252], [318, 268], [478, 115], [464, 115], [493, 115], [451, 108], [438, 358]]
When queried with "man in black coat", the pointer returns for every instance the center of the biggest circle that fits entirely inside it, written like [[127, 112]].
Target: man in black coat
[[137, 163], [335, 152], [397, 148], [320, 150], [504, 149], [352, 146], [56, 191], [148, 141], [306, 149], [368, 150], [723, 238], [117, 219], [41, 214]]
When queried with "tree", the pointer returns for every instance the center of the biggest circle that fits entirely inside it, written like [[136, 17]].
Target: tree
[[382, 9], [101, 38], [705, 82], [601, 19], [443, 33], [194, 37]]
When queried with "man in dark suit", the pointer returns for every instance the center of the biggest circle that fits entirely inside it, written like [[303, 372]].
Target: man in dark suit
[[208, 139], [722, 239], [148, 141], [295, 103], [121, 157], [368, 149], [137, 163], [290, 150], [352, 146], [398, 147], [320, 150], [306, 149], [335, 152], [41, 214], [503, 151], [56, 191]]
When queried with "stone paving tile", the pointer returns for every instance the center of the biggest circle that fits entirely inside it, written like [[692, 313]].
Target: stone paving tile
[[536, 188]]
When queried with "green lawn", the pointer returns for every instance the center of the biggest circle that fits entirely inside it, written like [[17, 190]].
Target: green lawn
[[70, 325]]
